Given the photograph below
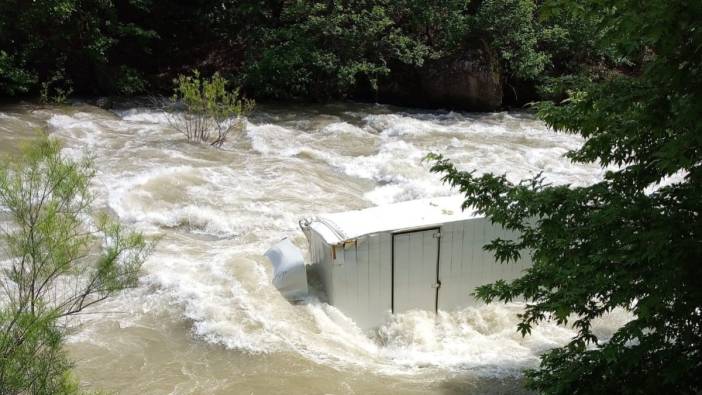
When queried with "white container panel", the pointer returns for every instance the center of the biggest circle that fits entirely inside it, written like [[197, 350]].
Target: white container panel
[[468, 265]]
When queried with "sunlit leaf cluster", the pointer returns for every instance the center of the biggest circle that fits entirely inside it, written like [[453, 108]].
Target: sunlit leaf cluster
[[632, 241], [57, 259]]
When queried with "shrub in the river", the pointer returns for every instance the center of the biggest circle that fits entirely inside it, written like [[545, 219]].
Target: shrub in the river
[[632, 241], [56, 90], [54, 265], [205, 111]]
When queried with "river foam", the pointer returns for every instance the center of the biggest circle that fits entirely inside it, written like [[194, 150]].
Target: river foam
[[217, 211]]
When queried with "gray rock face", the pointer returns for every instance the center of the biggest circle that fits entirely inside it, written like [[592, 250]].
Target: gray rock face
[[468, 81]]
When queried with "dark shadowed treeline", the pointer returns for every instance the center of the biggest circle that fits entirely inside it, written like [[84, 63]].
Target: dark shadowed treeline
[[311, 50]]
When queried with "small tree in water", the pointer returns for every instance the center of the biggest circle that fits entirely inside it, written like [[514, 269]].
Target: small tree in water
[[205, 111], [54, 265]]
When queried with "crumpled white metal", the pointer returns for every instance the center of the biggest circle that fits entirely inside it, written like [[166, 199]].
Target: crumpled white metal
[[289, 273]]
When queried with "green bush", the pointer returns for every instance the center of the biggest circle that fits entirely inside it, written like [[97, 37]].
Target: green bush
[[321, 50], [79, 39], [511, 29], [57, 265], [205, 111], [129, 81], [56, 90], [14, 78]]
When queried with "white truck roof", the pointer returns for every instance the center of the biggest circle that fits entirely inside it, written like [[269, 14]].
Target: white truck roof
[[337, 228]]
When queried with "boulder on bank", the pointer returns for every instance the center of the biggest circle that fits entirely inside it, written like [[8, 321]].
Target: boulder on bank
[[104, 102], [468, 81]]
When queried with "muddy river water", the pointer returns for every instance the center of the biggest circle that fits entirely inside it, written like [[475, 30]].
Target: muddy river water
[[205, 318]]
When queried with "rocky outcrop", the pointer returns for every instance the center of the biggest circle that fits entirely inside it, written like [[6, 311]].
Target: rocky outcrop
[[468, 81], [104, 102]]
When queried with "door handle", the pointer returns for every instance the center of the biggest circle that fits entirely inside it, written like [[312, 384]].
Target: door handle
[[436, 284]]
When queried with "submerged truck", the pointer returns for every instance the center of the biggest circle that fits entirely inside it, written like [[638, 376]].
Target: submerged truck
[[423, 254]]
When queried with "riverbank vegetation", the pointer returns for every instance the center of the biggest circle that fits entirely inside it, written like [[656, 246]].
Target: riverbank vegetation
[[55, 265], [632, 241], [286, 50]]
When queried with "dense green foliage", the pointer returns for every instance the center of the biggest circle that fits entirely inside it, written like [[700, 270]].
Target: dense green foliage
[[210, 112], [325, 49], [320, 49], [83, 42], [632, 241], [274, 49], [54, 265]]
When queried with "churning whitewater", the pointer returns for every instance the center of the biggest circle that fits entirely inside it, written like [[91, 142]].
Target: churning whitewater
[[206, 315]]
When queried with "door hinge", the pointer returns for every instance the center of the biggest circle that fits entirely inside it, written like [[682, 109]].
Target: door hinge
[[437, 235], [436, 284]]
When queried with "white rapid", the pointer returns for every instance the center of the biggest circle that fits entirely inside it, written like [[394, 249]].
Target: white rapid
[[205, 318]]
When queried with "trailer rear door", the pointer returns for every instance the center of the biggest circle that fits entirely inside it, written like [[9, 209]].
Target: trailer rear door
[[415, 270]]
